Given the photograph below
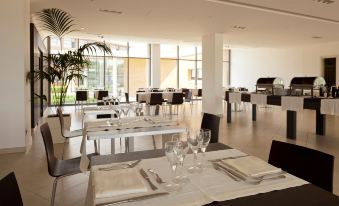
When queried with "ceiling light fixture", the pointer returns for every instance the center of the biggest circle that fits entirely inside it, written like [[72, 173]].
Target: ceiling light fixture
[[324, 1], [273, 10], [316, 37], [239, 27], [110, 11]]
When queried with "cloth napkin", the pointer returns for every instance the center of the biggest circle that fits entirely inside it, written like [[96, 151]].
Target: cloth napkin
[[292, 103], [259, 99], [251, 166], [329, 106], [235, 97], [117, 182]]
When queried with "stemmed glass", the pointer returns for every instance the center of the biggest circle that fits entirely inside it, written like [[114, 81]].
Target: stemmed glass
[[194, 144], [181, 151], [170, 151], [125, 109], [117, 109], [204, 139]]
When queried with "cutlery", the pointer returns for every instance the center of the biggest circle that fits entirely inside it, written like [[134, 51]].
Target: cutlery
[[217, 167], [157, 177], [146, 177], [121, 166], [257, 180], [134, 199], [226, 158]]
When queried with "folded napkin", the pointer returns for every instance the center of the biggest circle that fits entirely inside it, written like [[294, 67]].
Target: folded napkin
[[259, 99], [234, 97], [251, 166], [292, 103], [117, 182]]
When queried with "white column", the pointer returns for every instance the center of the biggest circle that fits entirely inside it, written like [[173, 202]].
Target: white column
[[212, 72], [155, 65], [14, 58]]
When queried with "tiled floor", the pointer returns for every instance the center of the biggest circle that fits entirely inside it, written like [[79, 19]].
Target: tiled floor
[[243, 134]]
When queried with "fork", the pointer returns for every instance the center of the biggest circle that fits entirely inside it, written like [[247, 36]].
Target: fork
[[157, 177], [121, 166]]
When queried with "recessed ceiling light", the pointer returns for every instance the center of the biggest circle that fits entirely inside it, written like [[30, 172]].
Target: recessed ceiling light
[[239, 27], [110, 11], [316, 37], [82, 28], [324, 1]]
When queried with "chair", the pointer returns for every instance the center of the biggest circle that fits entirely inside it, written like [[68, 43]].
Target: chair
[[57, 168], [177, 99], [127, 97], [66, 133], [80, 96], [9, 191], [311, 165], [155, 99], [211, 122], [101, 94]]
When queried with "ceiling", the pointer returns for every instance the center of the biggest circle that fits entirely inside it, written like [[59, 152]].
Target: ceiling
[[186, 21]]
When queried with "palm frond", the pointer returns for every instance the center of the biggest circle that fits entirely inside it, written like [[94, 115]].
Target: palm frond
[[56, 21], [93, 46]]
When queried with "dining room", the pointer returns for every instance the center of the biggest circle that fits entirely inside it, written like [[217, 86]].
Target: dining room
[[195, 102]]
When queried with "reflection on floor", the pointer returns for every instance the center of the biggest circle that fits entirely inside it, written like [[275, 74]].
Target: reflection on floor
[[251, 137]]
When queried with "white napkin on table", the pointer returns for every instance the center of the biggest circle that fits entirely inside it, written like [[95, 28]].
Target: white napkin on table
[[117, 182], [251, 166]]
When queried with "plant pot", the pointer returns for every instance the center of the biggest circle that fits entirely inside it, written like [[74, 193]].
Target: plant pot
[[54, 125]]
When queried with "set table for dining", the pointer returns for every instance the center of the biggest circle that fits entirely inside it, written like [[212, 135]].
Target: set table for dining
[[210, 187]]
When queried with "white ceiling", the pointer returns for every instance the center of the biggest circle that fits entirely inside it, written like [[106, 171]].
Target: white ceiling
[[186, 21]]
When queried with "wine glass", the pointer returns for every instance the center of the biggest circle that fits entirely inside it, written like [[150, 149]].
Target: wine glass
[[125, 109], [181, 151], [204, 139], [170, 151], [193, 143], [117, 109]]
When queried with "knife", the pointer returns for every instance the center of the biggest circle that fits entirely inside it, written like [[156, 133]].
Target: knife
[[146, 177], [134, 199]]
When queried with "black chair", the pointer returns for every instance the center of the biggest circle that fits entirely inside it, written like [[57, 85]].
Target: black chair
[[80, 97], [311, 165], [177, 99], [102, 94], [9, 191], [211, 122], [127, 97], [58, 168]]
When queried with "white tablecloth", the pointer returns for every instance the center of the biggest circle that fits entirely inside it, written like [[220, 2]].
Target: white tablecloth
[[329, 106], [204, 188], [259, 99], [292, 103], [234, 97]]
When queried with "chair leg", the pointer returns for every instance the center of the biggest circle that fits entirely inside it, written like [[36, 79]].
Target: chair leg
[[95, 146], [63, 150], [154, 145], [55, 183]]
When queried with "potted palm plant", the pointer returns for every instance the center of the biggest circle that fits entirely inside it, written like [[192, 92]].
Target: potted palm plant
[[64, 67]]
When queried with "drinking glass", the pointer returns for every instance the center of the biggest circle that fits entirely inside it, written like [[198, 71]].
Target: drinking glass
[[117, 109], [125, 109], [181, 151], [170, 151], [204, 139], [193, 143]]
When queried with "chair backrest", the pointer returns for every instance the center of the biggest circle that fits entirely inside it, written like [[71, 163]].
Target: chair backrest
[[211, 121], [199, 92], [178, 98], [49, 147], [188, 96], [9, 191], [311, 165], [81, 95], [127, 97], [156, 99], [102, 94]]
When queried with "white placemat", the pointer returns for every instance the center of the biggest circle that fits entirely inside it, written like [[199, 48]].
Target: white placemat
[[204, 188], [234, 97], [292, 103], [259, 99], [329, 106]]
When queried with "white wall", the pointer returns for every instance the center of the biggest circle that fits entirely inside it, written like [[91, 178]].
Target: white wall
[[14, 58], [247, 65]]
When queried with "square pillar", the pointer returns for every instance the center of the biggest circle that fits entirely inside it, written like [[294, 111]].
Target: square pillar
[[212, 74], [155, 65]]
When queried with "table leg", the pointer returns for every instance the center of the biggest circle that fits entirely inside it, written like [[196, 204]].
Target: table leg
[[131, 144], [229, 112], [254, 112], [291, 124], [112, 146], [320, 123]]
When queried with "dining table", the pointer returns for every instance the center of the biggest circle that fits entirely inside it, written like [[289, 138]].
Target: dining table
[[211, 187], [128, 127]]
